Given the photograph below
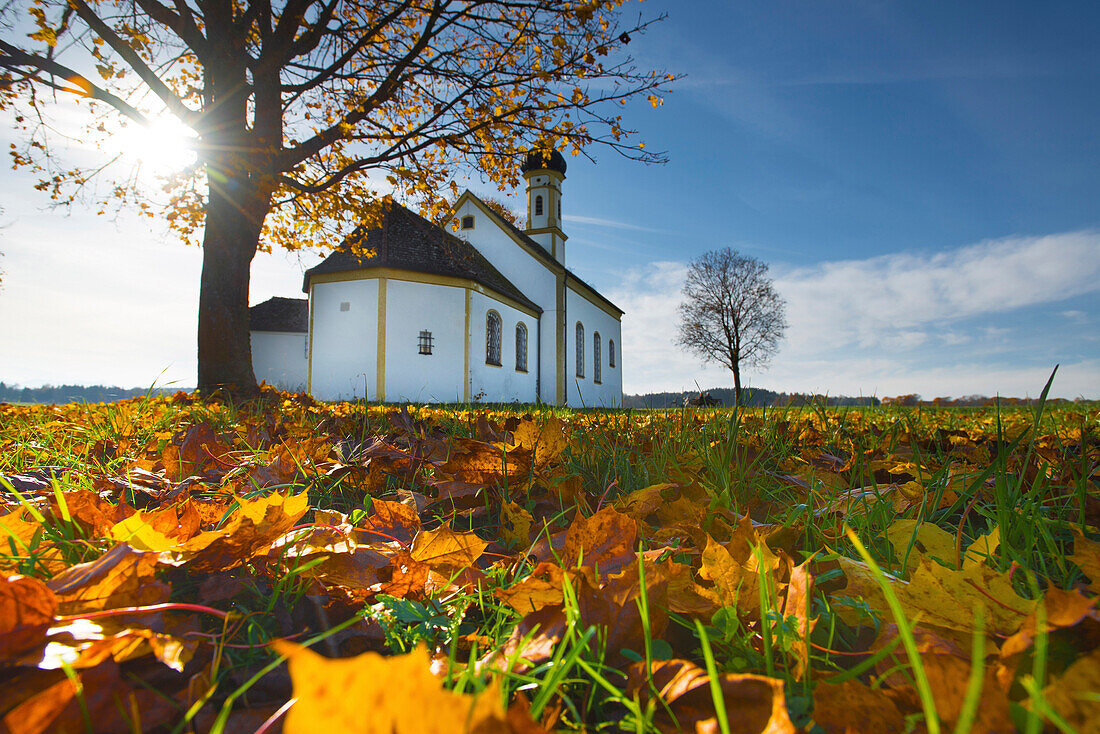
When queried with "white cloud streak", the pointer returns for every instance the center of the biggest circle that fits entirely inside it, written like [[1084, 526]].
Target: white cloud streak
[[888, 301]]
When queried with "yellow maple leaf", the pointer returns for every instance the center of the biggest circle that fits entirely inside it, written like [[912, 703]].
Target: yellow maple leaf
[[371, 694]]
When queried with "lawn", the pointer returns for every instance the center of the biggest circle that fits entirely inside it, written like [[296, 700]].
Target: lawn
[[175, 564]]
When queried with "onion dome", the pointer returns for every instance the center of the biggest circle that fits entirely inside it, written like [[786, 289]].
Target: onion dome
[[536, 161]]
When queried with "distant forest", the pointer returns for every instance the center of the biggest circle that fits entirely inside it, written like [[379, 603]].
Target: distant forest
[[753, 397], [74, 393]]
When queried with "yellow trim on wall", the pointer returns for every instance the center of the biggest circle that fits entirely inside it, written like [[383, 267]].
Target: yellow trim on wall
[[410, 276], [380, 349], [545, 230], [586, 293], [466, 353], [309, 360], [561, 338]]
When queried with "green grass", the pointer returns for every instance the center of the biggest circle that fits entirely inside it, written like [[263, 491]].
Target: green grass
[[1026, 471]]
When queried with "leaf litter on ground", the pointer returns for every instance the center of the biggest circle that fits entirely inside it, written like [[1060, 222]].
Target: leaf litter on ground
[[175, 564]]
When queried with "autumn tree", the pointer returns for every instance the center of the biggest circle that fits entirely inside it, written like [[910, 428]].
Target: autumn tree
[[304, 113], [731, 313]]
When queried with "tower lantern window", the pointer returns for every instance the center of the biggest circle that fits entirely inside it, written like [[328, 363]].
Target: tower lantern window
[[538, 206]]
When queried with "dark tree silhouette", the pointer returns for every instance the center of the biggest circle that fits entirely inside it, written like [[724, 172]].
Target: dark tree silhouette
[[731, 314]]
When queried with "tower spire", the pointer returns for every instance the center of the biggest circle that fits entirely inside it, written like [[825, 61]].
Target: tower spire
[[544, 174]]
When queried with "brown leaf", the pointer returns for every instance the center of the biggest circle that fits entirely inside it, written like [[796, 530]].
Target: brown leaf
[[104, 699], [515, 525], [1073, 694], [256, 524], [1086, 554], [532, 641], [606, 539], [196, 452], [541, 588], [27, 608], [447, 551], [123, 577], [852, 707], [640, 503], [755, 704], [389, 521]]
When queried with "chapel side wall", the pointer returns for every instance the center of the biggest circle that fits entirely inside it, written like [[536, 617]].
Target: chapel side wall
[[503, 384], [583, 391], [534, 280], [345, 343], [280, 359], [423, 378]]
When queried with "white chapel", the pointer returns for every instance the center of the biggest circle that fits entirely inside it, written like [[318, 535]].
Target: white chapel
[[489, 314]]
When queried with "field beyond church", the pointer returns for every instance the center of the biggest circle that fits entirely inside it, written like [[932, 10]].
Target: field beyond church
[[175, 564]]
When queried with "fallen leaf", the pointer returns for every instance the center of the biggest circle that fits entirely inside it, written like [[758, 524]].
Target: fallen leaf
[[606, 539], [123, 577], [930, 541], [27, 608], [1073, 693], [515, 525], [397, 694], [853, 707], [754, 704], [445, 550]]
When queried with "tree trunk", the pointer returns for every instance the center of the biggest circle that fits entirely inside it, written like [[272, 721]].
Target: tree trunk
[[237, 202], [229, 243], [737, 387]]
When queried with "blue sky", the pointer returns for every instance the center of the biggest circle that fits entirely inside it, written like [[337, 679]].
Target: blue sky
[[923, 179]]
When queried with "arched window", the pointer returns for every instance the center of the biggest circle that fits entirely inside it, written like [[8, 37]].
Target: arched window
[[521, 347], [580, 349], [597, 371], [468, 222], [492, 338], [538, 206], [610, 352]]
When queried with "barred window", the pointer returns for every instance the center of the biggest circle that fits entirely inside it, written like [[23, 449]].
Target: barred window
[[521, 347], [424, 342], [610, 352], [538, 206], [597, 373], [492, 338], [580, 349]]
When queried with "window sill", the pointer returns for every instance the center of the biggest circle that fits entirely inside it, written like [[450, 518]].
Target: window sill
[[522, 371], [490, 364]]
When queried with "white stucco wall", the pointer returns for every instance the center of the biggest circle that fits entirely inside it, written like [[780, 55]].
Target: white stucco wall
[[414, 377], [583, 391], [503, 384], [279, 359], [527, 273], [344, 342]]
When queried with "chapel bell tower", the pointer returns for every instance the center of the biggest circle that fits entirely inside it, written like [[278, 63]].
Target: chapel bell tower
[[544, 175]]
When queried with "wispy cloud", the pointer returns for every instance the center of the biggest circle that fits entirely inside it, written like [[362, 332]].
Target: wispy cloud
[[869, 325], [869, 303], [600, 222]]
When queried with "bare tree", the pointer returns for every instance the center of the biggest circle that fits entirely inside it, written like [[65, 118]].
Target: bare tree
[[731, 314]]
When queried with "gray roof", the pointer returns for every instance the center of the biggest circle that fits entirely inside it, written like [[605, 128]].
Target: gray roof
[[407, 241], [280, 314]]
